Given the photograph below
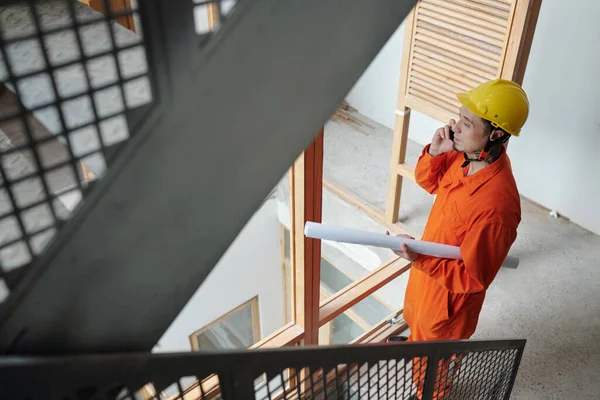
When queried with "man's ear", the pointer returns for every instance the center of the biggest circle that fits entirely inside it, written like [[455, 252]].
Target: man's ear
[[496, 134]]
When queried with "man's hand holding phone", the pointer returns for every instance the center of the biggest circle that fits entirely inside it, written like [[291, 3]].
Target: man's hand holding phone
[[442, 142]]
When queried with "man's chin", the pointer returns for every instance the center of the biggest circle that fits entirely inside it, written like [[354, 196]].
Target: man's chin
[[456, 147]]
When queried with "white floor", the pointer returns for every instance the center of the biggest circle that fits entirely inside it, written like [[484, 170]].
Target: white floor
[[552, 299]]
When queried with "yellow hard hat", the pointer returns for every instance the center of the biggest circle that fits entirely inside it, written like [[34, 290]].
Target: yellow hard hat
[[502, 102]]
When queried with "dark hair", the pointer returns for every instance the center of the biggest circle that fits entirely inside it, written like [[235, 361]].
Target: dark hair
[[494, 147]]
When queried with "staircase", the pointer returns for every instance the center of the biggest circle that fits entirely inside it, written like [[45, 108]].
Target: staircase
[[145, 114]]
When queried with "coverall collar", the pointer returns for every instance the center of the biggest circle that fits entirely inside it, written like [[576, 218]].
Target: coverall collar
[[473, 182]]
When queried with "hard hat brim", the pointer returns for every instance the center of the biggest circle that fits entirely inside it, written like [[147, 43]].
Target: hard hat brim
[[466, 101]]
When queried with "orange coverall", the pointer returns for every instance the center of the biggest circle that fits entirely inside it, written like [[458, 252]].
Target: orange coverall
[[478, 213]]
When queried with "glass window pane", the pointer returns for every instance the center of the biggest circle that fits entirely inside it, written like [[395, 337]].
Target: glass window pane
[[332, 278], [344, 330], [373, 310], [356, 172], [356, 321], [235, 331]]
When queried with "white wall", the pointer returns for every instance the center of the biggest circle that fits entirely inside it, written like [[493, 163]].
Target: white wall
[[375, 94], [251, 266], [556, 158], [563, 130]]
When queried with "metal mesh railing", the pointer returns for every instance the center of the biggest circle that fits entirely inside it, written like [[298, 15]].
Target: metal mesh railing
[[389, 379], [467, 370]]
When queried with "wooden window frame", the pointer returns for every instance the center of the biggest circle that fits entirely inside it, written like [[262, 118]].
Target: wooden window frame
[[376, 297], [287, 265], [309, 313], [324, 294], [352, 315], [306, 199], [256, 328], [288, 335], [325, 329], [361, 289]]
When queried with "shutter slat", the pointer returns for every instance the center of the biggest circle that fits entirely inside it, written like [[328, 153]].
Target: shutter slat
[[466, 17], [451, 57], [444, 69], [478, 32], [424, 26], [465, 8], [437, 87], [500, 13], [457, 48], [481, 76], [432, 97], [427, 107], [427, 74], [465, 32], [499, 4]]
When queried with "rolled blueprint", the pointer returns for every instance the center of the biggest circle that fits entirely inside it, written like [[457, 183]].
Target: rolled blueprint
[[336, 234]]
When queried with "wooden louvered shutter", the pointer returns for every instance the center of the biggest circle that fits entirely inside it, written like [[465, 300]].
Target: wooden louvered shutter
[[457, 44], [451, 46]]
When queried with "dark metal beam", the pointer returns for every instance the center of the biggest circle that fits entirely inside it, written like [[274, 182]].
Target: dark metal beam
[[187, 183]]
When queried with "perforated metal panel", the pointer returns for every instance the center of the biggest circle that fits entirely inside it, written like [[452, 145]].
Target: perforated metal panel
[[455, 46]]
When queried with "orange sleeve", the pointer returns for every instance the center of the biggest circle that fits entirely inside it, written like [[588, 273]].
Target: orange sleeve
[[483, 250], [430, 170]]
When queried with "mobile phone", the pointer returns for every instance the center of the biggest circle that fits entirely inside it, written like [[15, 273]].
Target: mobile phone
[[451, 135]]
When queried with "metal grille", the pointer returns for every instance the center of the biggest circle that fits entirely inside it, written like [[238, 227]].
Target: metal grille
[[435, 370], [479, 375], [69, 74], [389, 379]]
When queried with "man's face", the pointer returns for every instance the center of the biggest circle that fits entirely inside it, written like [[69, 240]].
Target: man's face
[[471, 133]]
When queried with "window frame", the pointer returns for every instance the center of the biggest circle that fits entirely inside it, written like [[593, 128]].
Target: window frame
[[325, 291], [308, 313], [255, 315]]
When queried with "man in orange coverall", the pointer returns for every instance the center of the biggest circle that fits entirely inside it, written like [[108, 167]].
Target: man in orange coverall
[[477, 208]]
